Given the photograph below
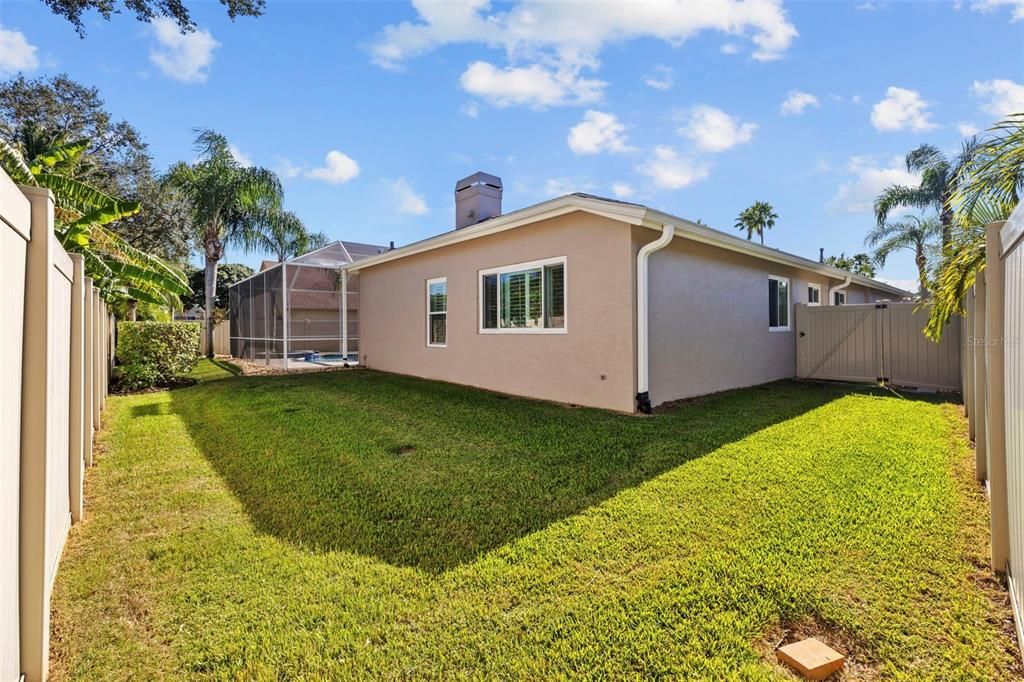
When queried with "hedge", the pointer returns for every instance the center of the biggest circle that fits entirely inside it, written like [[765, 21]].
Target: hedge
[[155, 353]]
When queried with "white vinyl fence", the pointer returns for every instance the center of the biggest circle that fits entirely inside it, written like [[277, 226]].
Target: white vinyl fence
[[994, 395], [55, 361], [875, 342]]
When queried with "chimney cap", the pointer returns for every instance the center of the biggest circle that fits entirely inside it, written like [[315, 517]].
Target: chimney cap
[[478, 178]]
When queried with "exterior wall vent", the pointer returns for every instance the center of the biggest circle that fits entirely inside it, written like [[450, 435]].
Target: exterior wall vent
[[477, 198]]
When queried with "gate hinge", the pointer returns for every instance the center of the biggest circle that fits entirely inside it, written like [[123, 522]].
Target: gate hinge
[[880, 306]]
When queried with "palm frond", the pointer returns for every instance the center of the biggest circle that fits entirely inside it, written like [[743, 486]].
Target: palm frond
[[900, 196], [14, 164], [68, 152]]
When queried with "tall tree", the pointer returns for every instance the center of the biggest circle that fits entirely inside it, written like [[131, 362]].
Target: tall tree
[[989, 187], [230, 205], [82, 214], [757, 218], [913, 233], [147, 10], [287, 237], [117, 162], [227, 275], [938, 183]]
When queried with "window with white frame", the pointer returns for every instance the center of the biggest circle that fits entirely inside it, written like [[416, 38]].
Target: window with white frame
[[778, 303], [839, 298], [524, 298], [813, 294], [437, 312]]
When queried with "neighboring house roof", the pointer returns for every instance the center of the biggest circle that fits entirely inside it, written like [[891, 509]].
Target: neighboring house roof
[[633, 214], [267, 264]]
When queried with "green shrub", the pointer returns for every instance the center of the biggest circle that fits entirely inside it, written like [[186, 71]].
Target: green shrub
[[155, 353]]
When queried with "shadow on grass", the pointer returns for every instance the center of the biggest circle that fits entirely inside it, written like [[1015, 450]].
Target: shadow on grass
[[430, 475]]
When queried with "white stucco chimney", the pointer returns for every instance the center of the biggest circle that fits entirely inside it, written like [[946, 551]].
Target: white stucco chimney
[[477, 198]]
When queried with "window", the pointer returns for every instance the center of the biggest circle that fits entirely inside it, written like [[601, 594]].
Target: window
[[525, 298], [813, 294], [840, 298], [778, 303], [437, 312]]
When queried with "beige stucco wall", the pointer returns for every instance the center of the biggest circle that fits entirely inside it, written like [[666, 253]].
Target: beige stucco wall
[[708, 311], [591, 365]]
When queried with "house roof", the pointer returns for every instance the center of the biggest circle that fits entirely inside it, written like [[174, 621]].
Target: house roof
[[334, 255], [630, 213]]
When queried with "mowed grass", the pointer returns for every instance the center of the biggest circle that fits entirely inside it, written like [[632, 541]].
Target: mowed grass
[[360, 525]]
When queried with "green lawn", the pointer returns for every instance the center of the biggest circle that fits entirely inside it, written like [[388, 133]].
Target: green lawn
[[356, 524]]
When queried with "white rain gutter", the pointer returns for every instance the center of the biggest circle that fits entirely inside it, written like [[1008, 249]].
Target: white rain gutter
[[643, 397], [840, 287]]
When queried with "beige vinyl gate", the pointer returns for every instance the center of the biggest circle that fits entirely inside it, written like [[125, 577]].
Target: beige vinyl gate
[[875, 342]]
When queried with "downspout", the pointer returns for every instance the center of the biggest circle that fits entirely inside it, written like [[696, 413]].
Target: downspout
[[643, 397], [832, 290]]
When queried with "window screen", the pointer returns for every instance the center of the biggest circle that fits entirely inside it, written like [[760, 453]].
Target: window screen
[[778, 302], [437, 312]]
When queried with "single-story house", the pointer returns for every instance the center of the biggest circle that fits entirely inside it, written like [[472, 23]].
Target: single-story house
[[590, 301]]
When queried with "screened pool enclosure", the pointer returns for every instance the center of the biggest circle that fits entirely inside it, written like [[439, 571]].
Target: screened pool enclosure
[[294, 315]]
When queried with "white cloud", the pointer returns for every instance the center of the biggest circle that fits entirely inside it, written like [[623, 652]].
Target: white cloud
[[1016, 7], [623, 190], [869, 178], [660, 77], [406, 198], [967, 129], [241, 157], [797, 101], [730, 48], [338, 168], [902, 109], [534, 86], [856, 99], [471, 110], [182, 56], [574, 32], [670, 171], [713, 130], [1003, 96], [16, 53], [549, 44], [286, 169], [598, 132]]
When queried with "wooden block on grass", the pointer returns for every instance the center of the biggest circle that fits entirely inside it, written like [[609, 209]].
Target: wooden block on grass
[[811, 658]]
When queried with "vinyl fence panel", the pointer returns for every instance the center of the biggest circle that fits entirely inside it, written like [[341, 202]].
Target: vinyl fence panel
[[15, 231], [875, 342], [45, 505], [1005, 259]]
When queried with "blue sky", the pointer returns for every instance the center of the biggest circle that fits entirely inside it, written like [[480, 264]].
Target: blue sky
[[371, 111]]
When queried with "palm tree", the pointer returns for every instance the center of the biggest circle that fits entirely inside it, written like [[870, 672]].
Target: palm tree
[[287, 237], [758, 217], [231, 205], [988, 188], [938, 184], [83, 216], [913, 233]]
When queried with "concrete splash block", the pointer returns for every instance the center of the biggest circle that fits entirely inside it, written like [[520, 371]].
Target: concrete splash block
[[811, 658]]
